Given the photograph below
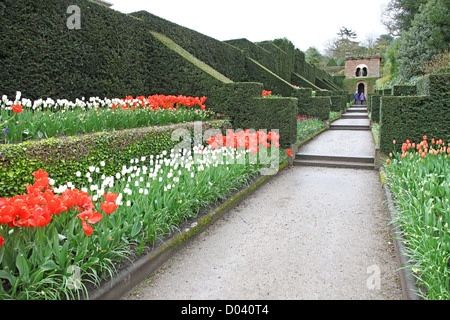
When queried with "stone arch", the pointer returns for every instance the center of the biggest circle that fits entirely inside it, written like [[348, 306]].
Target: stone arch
[[362, 70], [361, 86]]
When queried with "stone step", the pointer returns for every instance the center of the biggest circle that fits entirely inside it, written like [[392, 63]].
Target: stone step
[[349, 127], [317, 160], [359, 110], [355, 115], [328, 164]]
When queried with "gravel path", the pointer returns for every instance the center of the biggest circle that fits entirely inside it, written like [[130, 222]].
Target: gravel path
[[308, 233]]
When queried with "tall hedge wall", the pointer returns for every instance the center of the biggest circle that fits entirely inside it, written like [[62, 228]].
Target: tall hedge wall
[[275, 113], [221, 56], [304, 97], [338, 103], [320, 107], [248, 110], [112, 55], [41, 57], [374, 107], [407, 118], [412, 117]]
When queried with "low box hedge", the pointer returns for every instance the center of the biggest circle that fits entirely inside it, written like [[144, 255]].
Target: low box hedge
[[63, 157]]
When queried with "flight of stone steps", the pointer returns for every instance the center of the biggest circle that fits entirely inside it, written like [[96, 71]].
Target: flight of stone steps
[[348, 143]]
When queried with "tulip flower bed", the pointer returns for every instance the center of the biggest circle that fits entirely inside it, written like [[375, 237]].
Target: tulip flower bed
[[419, 178], [306, 126], [23, 119], [54, 241]]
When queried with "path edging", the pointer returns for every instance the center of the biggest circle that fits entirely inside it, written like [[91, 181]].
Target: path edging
[[407, 280]]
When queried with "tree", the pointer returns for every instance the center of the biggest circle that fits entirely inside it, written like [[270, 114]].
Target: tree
[[341, 48], [346, 33], [312, 55], [428, 35], [399, 14]]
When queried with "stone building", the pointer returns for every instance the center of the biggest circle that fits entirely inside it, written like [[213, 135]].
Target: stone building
[[361, 73]]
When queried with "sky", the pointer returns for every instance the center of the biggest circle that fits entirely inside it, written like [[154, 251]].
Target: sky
[[306, 23]]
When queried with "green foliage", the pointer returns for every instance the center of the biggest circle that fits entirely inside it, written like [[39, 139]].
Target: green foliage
[[304, 97], [307, 127], [421, 189], [30, 125], [400, 14], [338, 103], [428, 35], [404, 118]]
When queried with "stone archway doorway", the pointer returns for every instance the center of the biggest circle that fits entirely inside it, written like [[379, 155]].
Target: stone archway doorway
[[362, 88]]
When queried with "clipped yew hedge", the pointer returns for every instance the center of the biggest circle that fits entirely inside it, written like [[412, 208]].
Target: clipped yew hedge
[[412, 117], [275, 113], [374, 107]]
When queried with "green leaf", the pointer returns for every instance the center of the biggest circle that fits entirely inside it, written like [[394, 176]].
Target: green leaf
[[49, 265], [6, 275], [136, 228], [22, 265], [37, 276]]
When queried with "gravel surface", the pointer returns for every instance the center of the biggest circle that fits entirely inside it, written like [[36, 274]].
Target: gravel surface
[[341, 143], [308, 233]]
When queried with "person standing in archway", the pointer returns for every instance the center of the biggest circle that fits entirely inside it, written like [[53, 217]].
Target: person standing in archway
[[362, 98], [356, 97]]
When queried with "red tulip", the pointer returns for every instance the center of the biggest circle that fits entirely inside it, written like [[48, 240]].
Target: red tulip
[[89, 217], [108, 207], [17, 108], [289, 152], [2, 241], [41, 218], [110, 196]]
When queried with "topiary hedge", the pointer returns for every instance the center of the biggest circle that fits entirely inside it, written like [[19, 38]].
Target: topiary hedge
[[220, 55], [304, 97], [338, 103], [374, 107], [404, 90], [277, 113], [404, 118], [320, 108], [412, 117], [247, 109]]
